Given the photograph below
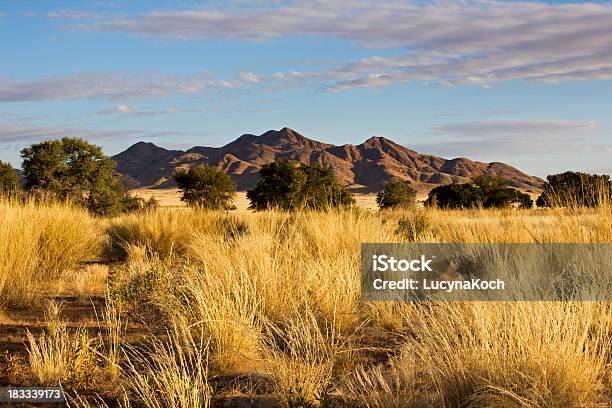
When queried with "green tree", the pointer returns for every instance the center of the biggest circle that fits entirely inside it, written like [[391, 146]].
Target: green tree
[[396, 193], [9, 180], [320, 189], [73, 169], [454, 195], [283, 185], [277, 186], [205, 186], [495, 193], [572, 189], [487, 183], [486, 192]]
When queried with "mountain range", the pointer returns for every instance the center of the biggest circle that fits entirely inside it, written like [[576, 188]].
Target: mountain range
[[363, 167]]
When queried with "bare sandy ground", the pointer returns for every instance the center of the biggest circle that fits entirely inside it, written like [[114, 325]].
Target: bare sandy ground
[[171, 198]]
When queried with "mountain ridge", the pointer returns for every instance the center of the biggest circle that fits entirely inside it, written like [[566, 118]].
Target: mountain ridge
[[363, 167]]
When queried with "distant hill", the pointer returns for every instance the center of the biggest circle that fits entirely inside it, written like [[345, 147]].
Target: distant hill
[[364, 167]]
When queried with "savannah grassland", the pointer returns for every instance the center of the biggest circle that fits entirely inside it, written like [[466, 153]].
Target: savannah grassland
[[185, 308]]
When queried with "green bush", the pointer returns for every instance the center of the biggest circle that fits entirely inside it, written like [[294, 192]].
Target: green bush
[[484, 191], [414, 226], [283, 185], [396, 193], [454, 196], [206, 187]]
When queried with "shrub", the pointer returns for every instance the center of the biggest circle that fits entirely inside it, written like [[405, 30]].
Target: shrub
[[414, 226], [134, 204], [285, 186], [396, 193], [454, 196], [9, 180], [484, 191], [205, 187], [575, 189]]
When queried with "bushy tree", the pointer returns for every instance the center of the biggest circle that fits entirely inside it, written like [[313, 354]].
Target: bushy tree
[[396, 193], [454, 196], [283, 185], [205, 186], [575, 189], [484, 191], [320, 189], [73, 169], [276, 187], [495, 193], [9, 180]]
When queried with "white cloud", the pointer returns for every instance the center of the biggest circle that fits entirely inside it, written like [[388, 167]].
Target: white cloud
[[21, 132], [455, 26], [506, 137], [129, 110], [108, 86], [448, 42], [117, 109], [444, 43], [250, 77], [518, 128], [71, 15]]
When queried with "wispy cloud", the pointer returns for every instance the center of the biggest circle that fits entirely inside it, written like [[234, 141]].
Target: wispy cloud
[[449, 42], [109, 86], [449, 26], [446, 43], [507, 137], [117, 109], [132, 111], [518, 128], [71, 15], [21, 132]]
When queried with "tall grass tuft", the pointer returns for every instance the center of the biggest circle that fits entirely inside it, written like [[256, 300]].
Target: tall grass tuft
[[38, 243], [59, 357], [541, 354], [171, 373]]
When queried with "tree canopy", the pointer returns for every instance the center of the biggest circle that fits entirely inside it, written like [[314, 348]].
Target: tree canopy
[[9, 180], [73, 169], [396, 193], [483, 191], [572, 189], [286, 186], [205, 186]]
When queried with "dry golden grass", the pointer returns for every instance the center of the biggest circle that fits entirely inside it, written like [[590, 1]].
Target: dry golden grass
[[513, 354], [394, 386], [276, 295], [59, 357], [39, 243], [171, 373], [238, 284]]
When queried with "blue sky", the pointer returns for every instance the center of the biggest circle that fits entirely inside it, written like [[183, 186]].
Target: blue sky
[[527, 83]]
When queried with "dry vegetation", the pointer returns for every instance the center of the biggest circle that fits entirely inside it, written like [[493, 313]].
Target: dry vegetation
[[208, 309]]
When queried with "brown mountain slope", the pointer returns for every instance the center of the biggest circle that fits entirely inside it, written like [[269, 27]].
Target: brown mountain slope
[[362, 167]]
